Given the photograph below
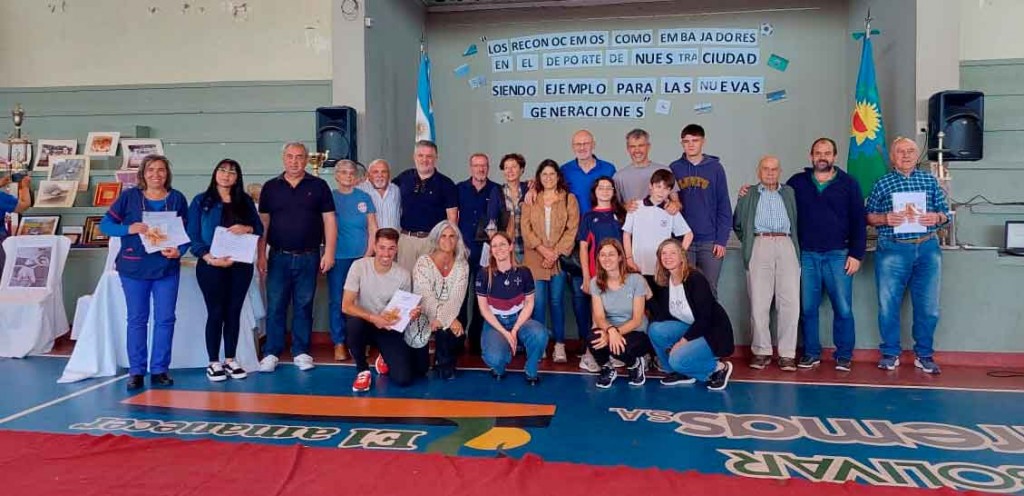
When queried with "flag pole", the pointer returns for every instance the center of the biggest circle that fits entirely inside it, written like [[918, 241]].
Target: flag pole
[[867, 24]]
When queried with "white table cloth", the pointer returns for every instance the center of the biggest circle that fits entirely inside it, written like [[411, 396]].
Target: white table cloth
[[32, 318], [101, 346]]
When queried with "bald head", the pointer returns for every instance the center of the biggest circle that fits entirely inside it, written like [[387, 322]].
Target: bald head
[[768, 170], [583, 145]]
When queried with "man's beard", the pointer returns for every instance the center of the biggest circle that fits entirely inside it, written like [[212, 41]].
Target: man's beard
[[822, 166]]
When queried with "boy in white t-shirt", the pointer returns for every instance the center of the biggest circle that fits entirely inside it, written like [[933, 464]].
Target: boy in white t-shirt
[[650, 224]]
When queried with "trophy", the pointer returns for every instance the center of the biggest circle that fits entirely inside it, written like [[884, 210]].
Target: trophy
[[17, 150], [317, 159]]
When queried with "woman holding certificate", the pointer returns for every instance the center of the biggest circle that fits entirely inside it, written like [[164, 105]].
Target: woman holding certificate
[[147, 272], [223, 281], [441, 278]]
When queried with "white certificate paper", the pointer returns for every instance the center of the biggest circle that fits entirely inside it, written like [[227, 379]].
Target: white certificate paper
[[401, 306], [240, 247], [911, 204], [166, 230]]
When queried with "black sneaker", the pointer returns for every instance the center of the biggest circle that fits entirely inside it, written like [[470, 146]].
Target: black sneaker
[[674, 379], [607, 377], [135, 382], [638, 372], [446, 373], [808, 362], [161, 379], [234, 370], [215, 372], [720, 378]]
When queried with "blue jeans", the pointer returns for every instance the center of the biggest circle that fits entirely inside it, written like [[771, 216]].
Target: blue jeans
[[694, 359], [899, 266], [549, 294], [335, 286], [137, 295], [532, 337], [290, 279], [581, 307], [828, 269]]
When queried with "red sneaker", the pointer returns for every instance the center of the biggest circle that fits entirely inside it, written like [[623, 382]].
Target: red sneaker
[[382, 368], [362, 382]]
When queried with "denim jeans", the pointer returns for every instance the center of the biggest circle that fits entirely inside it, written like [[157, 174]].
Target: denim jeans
[[549, 295], [828, 269], [899, 266], [290, 279], [137, 295], [335, 286], [581, 307], [694, 359], [532, 337]]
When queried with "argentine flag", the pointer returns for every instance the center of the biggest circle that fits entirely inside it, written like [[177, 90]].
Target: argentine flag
[[424, 106]]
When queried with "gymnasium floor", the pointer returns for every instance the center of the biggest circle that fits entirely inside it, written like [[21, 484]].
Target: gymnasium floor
[[961, 430]]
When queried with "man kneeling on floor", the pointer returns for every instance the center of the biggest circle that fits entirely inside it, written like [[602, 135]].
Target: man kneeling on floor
[[370, 284]]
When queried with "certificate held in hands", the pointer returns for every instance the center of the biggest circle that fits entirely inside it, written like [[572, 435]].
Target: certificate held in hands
[[165, 231], [239, 247], [399, 309]]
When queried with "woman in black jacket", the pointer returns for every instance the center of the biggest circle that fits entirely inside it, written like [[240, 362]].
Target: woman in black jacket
[[689, 329]]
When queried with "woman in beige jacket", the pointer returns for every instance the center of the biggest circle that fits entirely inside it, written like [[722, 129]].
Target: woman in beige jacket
[[549, 228]]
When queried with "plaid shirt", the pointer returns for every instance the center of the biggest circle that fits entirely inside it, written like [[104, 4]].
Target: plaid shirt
[[880, 201], [770, 216]]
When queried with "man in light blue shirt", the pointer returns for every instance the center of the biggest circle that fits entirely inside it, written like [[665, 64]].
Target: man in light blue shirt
[[386, 197]]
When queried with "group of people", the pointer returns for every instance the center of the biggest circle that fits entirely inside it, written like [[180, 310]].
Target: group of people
[[640, 249]]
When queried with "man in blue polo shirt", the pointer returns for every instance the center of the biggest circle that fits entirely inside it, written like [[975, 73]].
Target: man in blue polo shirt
[[428, 197], [11, 204], [580, 175], [480, 201], [297, 211], [908, 254]]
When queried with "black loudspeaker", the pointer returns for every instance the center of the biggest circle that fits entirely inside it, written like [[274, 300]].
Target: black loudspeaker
[[336, 134], [961, 116]]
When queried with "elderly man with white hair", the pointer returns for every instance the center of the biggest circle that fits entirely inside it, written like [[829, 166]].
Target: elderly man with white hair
[[765, 222], [385, 195], [907, 206]]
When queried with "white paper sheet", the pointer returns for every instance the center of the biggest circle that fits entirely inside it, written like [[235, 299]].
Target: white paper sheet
[[401, 305], [912, 204], [166, 230], [240, 247]]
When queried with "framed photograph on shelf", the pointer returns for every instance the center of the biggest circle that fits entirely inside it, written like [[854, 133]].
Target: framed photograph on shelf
[[105, 194], [74, 233], [56, 194], [32, 268], [70, 168], [47, 148], [135, 149], [91, 234], [127, 178], [36, 225], [102, 143]]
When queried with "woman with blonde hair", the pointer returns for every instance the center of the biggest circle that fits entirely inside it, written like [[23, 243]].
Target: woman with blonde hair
[[440, 278], [618, 295], [690, 330]]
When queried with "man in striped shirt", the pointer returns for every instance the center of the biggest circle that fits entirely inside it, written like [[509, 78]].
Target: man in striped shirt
[[385, 195], [908, 253]]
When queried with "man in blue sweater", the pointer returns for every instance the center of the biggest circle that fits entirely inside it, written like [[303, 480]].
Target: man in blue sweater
[[832, 235], [705, 197]]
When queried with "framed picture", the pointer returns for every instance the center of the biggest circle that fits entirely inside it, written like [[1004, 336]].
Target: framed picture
[[136, 149], [91, 234], [127, 178], [35, 225], [102, 143], [20, 153], [48, 148], [32, 268], [105, 194], [70, 168], [56, 194], [10, 221]]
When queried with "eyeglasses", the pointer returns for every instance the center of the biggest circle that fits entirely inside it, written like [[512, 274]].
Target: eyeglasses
[[228, 170]]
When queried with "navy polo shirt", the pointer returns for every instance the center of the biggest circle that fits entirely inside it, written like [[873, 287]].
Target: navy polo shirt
[[296, 213], [425, 202], [595, 227], [474, 205], [580, 182]]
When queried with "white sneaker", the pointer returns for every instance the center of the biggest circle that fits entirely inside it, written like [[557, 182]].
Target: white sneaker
[[304, 362], [268, 364], [589, 364], [616, 362], [559, 353]]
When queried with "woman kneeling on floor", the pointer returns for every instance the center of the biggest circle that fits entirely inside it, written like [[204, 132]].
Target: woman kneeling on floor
[[618, 296], [505, 295], [690, 330]]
